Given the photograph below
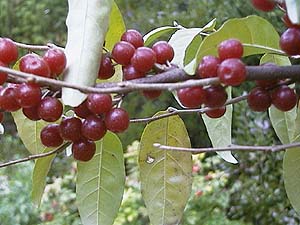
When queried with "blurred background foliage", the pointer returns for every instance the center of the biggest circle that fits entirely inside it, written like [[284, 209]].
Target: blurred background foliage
[[251, 192]]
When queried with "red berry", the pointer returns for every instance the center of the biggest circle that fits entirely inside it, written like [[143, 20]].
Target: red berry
[[34, 64], [28, 95], [216, 113], [70, 128], [164, 52], [82, 110], [284, 98], [99, 103], [56, 60], [208, 67], [216, 96], [232, 72], [143, 59], [117, 120], [191, 97], [8, 100], [133, 37], [231, 48], [3, 76], [8, 51], [290, 41], [83, 150], [106, 70], [130, 73], [123, 52], [93, 128], [264, 5], [1, 117], [50, 136], [31, 113], [50, 109], [259, 100], [289, 23], [153, 94]]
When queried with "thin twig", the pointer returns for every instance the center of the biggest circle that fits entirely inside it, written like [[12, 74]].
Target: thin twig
[[275, 148], [37, 156], [37, 47]]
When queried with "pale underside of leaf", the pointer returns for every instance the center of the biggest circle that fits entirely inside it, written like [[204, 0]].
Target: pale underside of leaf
[[165, 175], [1, 129], [156, 33], [100, 183], [87, 24], [293, 10]]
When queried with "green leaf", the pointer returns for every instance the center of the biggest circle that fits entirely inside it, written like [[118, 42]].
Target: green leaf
[[166, 177], [219, 131], [40, 172], [157, 33], [293, 10], [87, 24], [100, 183], [29, 132], [256, 33]]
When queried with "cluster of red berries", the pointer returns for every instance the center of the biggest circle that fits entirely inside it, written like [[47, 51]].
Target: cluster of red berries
[[290, 39], [137, 60], [230, 70]]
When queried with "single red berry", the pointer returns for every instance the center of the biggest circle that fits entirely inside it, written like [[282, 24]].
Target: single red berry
[[191, 97], [3, 76], [99, 103], [143, 59], [28, 95], [284, 98], [153, 94], [123, 52], [50, 136], [290, 41], [164, 52], [56, 60], [8, 51], [259, 99], [231, 48], [232, 72], [216, 96], [130, 73], [93, 128], [1, 117], [34, 64], [84, 150], [50, 109], [70, 129], [32, 113], [288, 23], [216, 113], [82, 110], [264, 5], [8, 101], [106, 70], [133, 37], [208, 67], [117, 120]]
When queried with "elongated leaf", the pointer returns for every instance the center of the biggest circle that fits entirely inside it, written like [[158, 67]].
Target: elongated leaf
[[257, 33], [293, 10], [165, 175], [1, 129], [219, 131], [40, 172], [156, 33], [100, 183], [87, 24], [29, 132]]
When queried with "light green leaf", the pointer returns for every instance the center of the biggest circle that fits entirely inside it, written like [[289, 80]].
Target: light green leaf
[[293, 10], [165, 175], [40, 172], [100, 183], [29, 132], [157, 33], [257, 33], [219, 131], [87, 24]]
